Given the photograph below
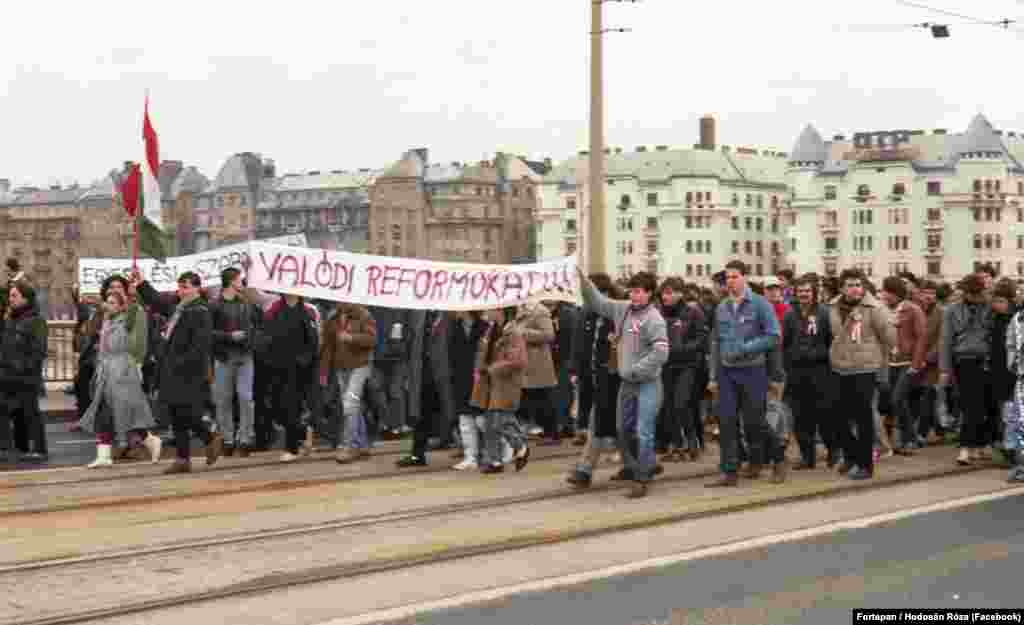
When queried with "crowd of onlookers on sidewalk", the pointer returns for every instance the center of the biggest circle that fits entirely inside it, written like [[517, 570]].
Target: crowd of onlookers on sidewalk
[[642, 371]]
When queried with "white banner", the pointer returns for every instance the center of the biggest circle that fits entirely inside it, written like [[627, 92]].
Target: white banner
[[164, 276], [407, 282]]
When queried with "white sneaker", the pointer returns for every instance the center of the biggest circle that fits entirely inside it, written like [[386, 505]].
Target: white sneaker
[[466, 465], [154, 445], [288, 457], [536, 431]]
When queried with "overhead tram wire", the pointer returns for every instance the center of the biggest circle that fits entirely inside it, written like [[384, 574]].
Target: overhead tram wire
[[1004, 22]]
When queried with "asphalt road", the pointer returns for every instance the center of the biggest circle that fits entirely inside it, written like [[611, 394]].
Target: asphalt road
[[964, 558]]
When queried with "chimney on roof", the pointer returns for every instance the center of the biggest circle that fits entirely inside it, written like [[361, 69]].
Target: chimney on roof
[[269, 168], [662, 148], [315, 172], [423, 153], [641, 148], [707, 132]]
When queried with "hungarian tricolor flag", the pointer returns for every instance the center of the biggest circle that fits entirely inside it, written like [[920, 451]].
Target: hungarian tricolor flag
[[140, 192]]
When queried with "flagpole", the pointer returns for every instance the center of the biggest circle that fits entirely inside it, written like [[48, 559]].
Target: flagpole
[[135, 235]]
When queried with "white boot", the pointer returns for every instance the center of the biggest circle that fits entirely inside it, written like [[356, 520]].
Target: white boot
[[155, 446], [507, 453], [103, 458], [470, 443]]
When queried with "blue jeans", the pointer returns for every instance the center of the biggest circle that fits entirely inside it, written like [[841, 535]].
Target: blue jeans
[[638, 415], [235, 376], [350, 426], [743, 397]]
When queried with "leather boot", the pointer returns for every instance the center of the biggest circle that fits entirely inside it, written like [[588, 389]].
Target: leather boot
[[726, 480], [751, 471]]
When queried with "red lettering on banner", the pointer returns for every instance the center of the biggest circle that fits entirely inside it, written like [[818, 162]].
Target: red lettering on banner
[[456, 278], [490, 282], [372, 275], [323, 273], [303, 281], [272, 268], [480, 280], [289, 264], [426, 283], [440, 281], [403, 280], [343, 276], [513, 281], [389, 276]]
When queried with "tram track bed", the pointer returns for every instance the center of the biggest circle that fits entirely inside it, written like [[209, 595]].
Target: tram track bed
[[499, 518]]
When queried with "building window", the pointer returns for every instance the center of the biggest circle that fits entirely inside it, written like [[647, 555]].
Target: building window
[[749, 200], [688, 221], [759, 270], [999, 241], [935, 241], [735, 223], [759, 249], [707, 247], [689, 197], [792, 245], [736, 199], [934, 188], [977, 241], [748, 247], [830, 192], [570, 225], [760, 222], [570, 248], [624, 201], [689, 270], [689, 247], [988, 241], [652, 199], [652, 223], [775, 225], [700, 247], [934, 214], [735, 247], [899, 189], [831, 243], [934, 268], [760, 201], [977, 186], [748, 222], [570, 203], [652, 247]]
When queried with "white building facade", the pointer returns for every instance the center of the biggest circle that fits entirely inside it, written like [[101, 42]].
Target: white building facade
[[937, 204], [673, 212]]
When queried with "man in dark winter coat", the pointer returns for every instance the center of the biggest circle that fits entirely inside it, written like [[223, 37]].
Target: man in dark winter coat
[[806, 341], [235, 323], [431, 405], [687, 336], [292, 344], [184, 366], [391, 365], [23, 338], [567, 319]]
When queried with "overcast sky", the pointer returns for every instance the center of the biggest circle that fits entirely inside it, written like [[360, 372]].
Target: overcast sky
[[343, 85]]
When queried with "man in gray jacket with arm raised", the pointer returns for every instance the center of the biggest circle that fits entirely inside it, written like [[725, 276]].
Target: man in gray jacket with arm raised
[[642, 346]]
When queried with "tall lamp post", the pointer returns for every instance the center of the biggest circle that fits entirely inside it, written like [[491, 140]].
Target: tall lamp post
[[598, 260]]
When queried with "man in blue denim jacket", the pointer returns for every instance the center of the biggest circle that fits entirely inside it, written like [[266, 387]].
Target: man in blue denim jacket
[[745, 331]]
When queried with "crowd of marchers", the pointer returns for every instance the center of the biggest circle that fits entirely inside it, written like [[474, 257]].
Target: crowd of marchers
[[848, 371]]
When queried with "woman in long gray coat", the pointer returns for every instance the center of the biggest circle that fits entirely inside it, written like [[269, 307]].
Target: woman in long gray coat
[[119, 406]]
